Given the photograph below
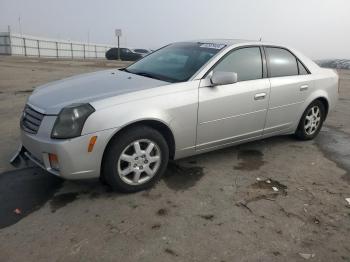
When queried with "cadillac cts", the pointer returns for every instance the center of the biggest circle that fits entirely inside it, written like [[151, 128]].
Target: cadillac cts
[[184, 99]]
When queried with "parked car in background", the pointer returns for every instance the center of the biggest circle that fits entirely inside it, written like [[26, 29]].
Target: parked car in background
[[183, 99], [142, 52], [126, 54]]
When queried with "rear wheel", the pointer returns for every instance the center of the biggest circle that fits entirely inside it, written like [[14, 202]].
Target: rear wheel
[[136, 159], [311, 121]]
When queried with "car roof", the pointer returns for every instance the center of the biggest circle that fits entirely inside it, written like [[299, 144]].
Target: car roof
[[231, 42]]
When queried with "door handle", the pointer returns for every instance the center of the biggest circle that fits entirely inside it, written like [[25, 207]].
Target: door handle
[[259, 96], [304, 87]]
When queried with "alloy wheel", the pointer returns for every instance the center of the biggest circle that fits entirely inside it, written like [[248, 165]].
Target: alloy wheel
[[312, 120], [139, 162]]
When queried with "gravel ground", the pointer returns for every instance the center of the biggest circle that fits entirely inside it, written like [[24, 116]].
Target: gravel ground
[[218, 206]]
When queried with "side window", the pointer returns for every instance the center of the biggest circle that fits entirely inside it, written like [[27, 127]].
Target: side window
[[282, 62], [246, 62], [302, 69]]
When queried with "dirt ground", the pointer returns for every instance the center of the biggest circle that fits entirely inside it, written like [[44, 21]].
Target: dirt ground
[[273, 200]]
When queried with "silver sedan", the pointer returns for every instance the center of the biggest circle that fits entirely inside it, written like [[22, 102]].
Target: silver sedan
[[184, 99]]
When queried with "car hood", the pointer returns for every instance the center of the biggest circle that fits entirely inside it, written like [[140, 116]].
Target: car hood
[[52, 97]]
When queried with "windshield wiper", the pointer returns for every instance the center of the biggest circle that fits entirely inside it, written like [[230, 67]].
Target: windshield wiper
[[124, 69], [147, 75], [150, 75], [141, 74]]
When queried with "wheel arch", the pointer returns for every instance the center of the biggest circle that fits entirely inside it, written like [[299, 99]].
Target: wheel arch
[[325, 102], [320, 95], [157, 124]]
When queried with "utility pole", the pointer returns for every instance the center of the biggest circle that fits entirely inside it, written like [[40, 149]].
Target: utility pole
[[118, 34], [9, 39], [19, 25], [118, 49]]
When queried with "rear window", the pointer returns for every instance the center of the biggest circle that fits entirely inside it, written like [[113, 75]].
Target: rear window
[[281, 62]]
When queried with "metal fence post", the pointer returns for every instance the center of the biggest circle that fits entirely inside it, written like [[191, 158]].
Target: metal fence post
[[38, 44], [95, 52], [57, 50], [25, 46], [71, 49], [10, 43]]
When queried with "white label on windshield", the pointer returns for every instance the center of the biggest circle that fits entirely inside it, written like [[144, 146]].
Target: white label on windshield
[[212, 45]]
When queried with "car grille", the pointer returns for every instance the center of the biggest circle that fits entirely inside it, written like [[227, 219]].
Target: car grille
[[31, 120]]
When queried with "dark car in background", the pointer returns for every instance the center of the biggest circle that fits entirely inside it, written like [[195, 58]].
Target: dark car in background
[[125, 54], [142, 51]]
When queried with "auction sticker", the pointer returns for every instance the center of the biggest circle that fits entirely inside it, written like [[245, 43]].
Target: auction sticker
[[212, 45]]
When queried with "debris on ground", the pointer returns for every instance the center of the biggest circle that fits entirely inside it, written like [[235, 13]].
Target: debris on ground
[[270, 184], [275, 189], [316, 220], [17, 211], [307, 256], [348, 200], [207, 217]]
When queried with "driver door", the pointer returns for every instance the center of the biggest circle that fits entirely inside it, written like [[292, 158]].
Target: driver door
[[235, 112]]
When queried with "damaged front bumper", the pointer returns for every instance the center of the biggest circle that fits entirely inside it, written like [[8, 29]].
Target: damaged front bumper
[[73, 159], [19, 158], [23, 156]]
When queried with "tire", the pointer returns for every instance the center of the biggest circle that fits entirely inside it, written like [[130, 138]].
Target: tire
[[135, 160], [311, 121]]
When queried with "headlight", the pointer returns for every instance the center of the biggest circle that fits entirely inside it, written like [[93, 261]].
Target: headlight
[[70, 121]]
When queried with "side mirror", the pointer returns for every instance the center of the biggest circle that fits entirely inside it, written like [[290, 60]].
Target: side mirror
[[223, 78]]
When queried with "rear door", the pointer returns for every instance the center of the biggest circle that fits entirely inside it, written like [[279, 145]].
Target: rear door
[[234, 112], [290, 85]]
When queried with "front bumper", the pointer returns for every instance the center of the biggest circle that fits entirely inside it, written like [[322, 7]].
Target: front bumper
[[75, 162]]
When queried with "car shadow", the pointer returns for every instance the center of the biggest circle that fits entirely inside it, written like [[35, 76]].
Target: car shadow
[[25, 190]]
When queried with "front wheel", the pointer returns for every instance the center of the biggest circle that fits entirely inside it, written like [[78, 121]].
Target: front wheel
[[136, 159], [311, 121]]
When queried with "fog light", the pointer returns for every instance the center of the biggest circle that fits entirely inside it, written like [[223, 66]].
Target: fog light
[[54, 161]]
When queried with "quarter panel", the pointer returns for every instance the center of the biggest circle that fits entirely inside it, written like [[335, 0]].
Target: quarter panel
[[325, 86]]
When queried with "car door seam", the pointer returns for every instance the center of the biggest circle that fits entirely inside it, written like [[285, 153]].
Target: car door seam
[[233, 116]]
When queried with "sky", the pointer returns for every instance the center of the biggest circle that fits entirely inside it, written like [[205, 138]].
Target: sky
[[318, 28]]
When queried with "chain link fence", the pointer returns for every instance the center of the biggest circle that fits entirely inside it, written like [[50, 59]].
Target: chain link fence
[[25, 45]]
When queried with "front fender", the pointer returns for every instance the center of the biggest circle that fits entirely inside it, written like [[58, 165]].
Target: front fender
[[174, 105], [119, 116]]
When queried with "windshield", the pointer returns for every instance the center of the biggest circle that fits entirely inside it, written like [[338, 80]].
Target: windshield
[[176, 62]]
